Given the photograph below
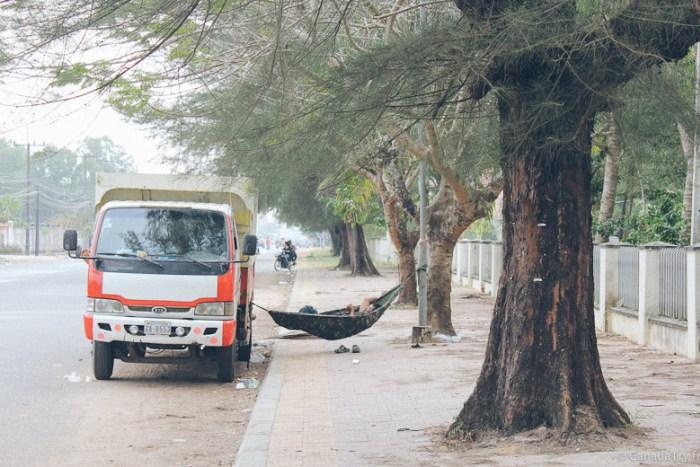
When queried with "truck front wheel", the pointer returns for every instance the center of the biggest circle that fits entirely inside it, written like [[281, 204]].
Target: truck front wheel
[[224, 362], [102, 359]]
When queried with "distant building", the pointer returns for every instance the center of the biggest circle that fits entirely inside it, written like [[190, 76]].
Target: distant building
[[8, 235]]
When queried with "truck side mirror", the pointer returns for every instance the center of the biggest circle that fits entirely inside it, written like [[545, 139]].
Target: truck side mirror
[[250, 245], [70, 240]]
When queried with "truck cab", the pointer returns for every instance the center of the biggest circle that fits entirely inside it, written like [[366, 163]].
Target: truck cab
[[167, 270]]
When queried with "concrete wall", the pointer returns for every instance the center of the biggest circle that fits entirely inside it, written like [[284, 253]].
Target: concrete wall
[[668, 335], [623, 322], [382, 251]]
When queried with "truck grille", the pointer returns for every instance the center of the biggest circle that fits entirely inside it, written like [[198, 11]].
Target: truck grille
[[168, 309]]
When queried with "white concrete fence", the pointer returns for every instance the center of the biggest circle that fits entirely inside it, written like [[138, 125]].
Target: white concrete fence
[[649, 294], [475, 263]]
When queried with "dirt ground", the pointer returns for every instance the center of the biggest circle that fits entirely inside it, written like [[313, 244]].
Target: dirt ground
[[165, 415]]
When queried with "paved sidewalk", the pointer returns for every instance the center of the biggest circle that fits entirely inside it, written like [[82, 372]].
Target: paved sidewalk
[[318, 408]]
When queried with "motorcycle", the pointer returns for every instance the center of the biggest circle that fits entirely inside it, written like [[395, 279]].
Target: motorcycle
[[284, 261]]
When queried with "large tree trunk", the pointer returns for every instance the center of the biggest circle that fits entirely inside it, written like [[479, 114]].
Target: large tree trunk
[[360, 260], [447, 220], [440, 286], [344, 261], [542, 366], [336, 245], [407, 276], [612, 157]]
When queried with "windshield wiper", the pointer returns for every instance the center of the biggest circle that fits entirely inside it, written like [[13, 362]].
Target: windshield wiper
[[189, 259], [132, 255]]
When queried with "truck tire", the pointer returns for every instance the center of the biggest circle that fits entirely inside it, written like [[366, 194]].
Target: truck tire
[[224, 363], [244, 350], [102, 360]]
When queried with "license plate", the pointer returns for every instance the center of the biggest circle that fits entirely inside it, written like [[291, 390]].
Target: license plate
[[157, 328]]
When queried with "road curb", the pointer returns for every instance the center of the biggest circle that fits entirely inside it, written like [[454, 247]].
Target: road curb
[[254, 448]]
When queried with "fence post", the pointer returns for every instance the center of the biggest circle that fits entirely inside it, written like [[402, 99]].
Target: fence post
[[482, 264], [496, 266], [475, 265], [693, 302], [458, 253], [648, 287], [466, 280], [608, 295]]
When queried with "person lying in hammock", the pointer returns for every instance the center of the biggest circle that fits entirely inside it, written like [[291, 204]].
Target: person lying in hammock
[[366, 305]]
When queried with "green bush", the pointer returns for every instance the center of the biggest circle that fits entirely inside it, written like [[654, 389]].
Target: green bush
[[661, 221]]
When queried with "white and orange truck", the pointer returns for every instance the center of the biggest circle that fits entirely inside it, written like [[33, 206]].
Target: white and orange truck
[[167, 270]]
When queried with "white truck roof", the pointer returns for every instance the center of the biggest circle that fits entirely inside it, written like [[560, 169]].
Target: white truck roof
[[222, 208], [238, 194]]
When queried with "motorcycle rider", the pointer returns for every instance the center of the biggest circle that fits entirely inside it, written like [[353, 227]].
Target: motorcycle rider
[[290, 251]]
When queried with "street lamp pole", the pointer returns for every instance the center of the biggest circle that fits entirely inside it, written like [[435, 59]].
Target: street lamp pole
[[695, 216], [422, 253]]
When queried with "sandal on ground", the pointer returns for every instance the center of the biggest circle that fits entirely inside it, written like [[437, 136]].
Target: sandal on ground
[[342, 349], [356, 349]]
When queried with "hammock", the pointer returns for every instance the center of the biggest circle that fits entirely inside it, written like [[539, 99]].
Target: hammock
[[335, 324]]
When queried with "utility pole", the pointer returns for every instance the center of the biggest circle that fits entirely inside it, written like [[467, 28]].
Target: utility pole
[[422, 253], [26, 200], [422, 332], [695, 217], [36, 225]]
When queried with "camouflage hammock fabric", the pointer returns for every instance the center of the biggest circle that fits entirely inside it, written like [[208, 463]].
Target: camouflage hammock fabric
[[335, 324]]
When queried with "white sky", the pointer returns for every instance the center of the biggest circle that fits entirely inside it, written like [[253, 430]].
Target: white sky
[[66, 124]]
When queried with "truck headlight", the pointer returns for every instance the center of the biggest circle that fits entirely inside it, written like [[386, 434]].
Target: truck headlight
[[103, 305], [214, 309]]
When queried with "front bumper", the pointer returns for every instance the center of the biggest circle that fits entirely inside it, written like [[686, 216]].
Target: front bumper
[[111, 328]]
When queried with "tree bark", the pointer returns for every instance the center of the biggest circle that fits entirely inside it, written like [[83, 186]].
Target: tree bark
[[612, 157], [360, 261], [336, 245], [440, 286], [344, 261], [542, 366]]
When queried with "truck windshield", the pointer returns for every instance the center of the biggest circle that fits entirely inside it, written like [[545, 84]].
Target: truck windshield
[[164, 234]]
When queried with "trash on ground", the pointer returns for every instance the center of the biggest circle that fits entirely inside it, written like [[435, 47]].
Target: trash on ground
[[342, 349], [257, 357], [247, 383], [73, 377], [444, 338], [355, 362]]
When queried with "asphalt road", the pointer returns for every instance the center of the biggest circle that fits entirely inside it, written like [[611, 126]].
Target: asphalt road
[[52, 411], [41, 304]]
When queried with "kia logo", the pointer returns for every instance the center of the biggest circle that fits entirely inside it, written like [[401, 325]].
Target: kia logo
[[159, 309]]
